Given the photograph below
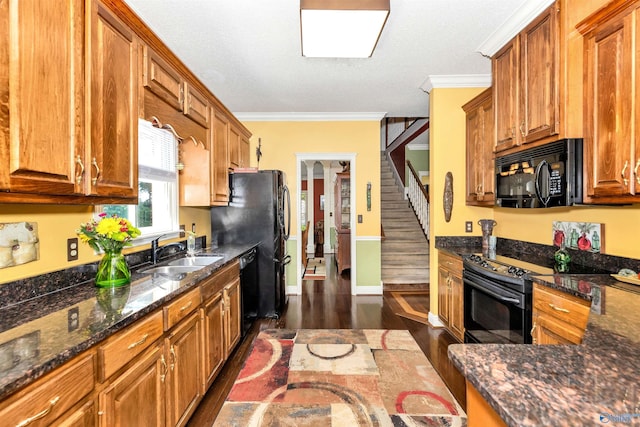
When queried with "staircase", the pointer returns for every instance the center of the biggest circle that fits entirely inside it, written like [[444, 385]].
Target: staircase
[[405, 249]]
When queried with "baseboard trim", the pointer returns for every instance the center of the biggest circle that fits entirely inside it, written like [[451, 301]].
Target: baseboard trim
[[435, 321], [368, 290]]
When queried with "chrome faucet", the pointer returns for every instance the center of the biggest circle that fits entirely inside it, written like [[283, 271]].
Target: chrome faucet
[[155, 250]]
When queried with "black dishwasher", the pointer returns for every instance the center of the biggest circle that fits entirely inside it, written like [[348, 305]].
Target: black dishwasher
[[249, 288]]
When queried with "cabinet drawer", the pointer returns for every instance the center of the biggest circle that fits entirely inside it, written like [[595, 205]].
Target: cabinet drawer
[[128, 344], [565, 307], [181, 308], [450, 262], [51, 396], [214, 284]]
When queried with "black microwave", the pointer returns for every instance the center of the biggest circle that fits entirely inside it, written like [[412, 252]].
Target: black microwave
[[541, 177]]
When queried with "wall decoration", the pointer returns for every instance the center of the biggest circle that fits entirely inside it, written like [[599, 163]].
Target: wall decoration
[[18, 243], [583, 236], [447, 197]]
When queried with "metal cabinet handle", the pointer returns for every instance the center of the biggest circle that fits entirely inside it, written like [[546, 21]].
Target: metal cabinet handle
[[174, 358], [624, 169], [185, 307], [163, 375], [39, 415], [562, 310], [94, 163], [79, 175], [137, 343], [535, 325], [635, 172]]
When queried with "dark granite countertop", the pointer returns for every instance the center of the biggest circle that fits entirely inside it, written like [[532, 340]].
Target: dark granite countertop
[[39, 334], [566, 385]]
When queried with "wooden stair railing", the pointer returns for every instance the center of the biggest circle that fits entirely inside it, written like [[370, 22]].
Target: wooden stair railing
[[419, 199]]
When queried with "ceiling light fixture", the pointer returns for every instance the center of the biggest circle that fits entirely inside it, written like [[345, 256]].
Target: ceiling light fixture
[[341, 28]]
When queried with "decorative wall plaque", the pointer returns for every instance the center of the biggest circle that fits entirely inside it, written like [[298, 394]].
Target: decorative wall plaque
[[447, 198]]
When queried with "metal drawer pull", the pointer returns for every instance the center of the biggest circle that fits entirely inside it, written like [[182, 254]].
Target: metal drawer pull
[[137, 343], [94, 163], [39, 415], [624, 169], [184, 307], [635, 172], [164, 368], [563, 310], [173, 358], [535, 325], [79, 175]]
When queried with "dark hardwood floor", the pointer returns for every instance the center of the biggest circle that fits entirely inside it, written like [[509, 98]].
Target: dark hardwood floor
[[328, 304]]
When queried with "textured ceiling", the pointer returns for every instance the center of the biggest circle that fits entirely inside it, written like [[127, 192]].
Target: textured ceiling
[[248, 53]]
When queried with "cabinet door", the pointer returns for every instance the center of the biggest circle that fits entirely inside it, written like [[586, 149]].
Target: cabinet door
[[161, 79], [474, 166], [213, 332], [609, 144], [136, 398], [41, 96], [184, 383], [456, 310], [234, 147], [220, 160], [487, 173], [505, 95], [443, 296], [112, 167], [548, 330], [539, 101], [233, 315], [479, 149], [245, 152], [196, 106]]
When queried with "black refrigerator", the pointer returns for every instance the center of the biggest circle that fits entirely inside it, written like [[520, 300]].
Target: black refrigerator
[[258, 211]]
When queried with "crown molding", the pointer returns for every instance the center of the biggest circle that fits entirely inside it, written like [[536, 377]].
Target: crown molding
[[512, 26], [310, 117], [456, 80]]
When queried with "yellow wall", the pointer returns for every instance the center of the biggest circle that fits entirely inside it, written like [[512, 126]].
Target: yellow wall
[[447, 154], [281, 141], [58, 223]]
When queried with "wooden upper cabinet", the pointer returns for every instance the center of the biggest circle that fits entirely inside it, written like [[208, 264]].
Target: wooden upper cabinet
[[611, 48], [539, 77], [526, 84], [234, 147], [196, 106], [161, 78], [112, 163], [41, 97], [245, 151], [479, 147], [220, 160], [505, 94]]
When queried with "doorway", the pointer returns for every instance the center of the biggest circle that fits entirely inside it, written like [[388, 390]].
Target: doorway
[[302, 159]]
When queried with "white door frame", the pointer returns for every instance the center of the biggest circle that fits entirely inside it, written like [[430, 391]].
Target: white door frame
[[347, 157]]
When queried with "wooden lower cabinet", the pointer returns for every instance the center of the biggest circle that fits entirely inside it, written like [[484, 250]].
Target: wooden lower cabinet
[[183, 349], [232, 316], [85, 416], [137, 396], [451, 294], [213, 339], [479, 413], [558, 318]]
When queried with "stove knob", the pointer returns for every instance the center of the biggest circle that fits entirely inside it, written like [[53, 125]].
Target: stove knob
[[520, 272], [512, 270]]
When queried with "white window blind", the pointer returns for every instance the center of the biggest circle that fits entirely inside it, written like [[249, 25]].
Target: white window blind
[[157, 152]]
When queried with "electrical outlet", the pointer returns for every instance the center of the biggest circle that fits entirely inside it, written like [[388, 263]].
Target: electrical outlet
[[72, 249], [73, 319], [359, 219], [468, 227]]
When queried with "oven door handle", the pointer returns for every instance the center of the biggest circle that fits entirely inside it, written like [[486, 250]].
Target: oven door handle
[[491, 293]]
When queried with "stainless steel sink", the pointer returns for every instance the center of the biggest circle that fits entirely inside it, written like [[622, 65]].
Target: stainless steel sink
[[173, 272], [196, 260]]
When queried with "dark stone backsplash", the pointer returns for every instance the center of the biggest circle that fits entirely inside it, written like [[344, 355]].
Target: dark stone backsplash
[[33, 287], [536, 251]]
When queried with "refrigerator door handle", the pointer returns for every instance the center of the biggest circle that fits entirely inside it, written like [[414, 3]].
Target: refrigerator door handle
[[288, 212]]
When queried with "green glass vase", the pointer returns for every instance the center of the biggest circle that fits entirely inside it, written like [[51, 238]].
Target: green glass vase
[[113, 270]]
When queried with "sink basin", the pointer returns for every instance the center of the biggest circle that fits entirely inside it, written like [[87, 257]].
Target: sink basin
[[173, 272], [196, 261]]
